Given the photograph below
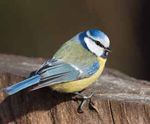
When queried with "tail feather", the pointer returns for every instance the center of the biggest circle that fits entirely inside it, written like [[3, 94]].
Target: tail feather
[[21, 85]]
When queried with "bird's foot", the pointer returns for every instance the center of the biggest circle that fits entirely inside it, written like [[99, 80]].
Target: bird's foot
[[83, 99]]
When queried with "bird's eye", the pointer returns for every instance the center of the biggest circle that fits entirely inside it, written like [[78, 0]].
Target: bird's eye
[[99, 44]]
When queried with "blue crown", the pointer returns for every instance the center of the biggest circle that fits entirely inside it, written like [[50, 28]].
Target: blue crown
[[96, 33]]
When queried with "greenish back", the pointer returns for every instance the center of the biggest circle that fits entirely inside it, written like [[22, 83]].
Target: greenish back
[[73, 53]]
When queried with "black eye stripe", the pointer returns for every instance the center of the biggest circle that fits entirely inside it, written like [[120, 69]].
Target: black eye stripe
[[97, 43]]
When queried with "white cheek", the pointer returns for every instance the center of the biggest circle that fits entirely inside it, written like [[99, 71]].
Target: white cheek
[[93, 47]]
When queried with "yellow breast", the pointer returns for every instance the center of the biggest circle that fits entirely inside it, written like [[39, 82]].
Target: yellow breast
[[78, 85]]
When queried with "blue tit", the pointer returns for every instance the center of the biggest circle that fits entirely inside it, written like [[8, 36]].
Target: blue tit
[[76, 65]]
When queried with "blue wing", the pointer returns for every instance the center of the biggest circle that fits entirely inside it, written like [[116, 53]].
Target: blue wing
[[21, 85], [52, 72], [70, 62], [55, 72]]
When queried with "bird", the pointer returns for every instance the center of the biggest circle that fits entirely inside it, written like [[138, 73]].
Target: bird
[[76, 65]]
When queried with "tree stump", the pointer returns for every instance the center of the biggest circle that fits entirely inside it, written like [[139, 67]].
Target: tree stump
[[118, 98]]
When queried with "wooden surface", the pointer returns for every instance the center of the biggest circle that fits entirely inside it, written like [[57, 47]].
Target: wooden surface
[[118, 99]]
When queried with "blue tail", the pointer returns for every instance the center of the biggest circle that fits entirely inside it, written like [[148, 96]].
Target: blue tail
[[22, 85]]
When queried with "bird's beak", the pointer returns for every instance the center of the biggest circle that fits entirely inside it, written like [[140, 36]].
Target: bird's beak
[[108, 50]]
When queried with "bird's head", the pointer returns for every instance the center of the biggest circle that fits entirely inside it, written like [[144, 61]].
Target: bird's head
[[96, 42]]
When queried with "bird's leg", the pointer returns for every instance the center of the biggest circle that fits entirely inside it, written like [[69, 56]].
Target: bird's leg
[[84, 100]]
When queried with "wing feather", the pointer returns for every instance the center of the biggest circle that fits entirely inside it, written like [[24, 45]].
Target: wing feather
[[55, 73], [71, 62]]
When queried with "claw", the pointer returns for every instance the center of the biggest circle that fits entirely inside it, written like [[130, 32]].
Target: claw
[[84, 100], [81, 106]]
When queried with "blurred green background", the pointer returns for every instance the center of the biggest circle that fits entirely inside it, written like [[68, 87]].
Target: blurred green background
[[38, 28]]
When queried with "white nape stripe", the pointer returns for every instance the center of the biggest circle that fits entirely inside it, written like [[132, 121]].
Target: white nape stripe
[[93, 47]]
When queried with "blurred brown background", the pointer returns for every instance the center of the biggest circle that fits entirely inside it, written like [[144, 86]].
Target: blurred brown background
[[38, 28]]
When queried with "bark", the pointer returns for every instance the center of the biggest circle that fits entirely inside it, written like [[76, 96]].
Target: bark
[[118, 98]]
